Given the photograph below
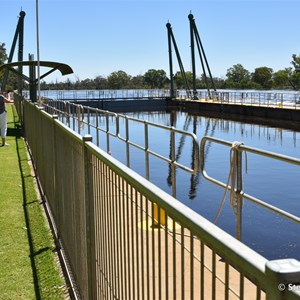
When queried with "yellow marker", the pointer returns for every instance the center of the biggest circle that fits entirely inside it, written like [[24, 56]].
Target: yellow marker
[[157, 218], [159, 221]]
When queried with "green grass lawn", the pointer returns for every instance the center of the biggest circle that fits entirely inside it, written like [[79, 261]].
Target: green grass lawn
[[28, 263]]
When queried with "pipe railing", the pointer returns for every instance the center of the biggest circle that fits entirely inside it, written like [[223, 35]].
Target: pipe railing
[[76, 116], [264, 99], [65, 108], [77, 95], [278, 99], [239, 150]]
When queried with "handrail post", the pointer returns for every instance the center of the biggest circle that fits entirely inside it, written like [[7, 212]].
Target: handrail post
[[55, 175], [127, 142], [67, 112], [107, 133], [90, 222], [146, 134], [284, 277], [239, 197], [173, 167]]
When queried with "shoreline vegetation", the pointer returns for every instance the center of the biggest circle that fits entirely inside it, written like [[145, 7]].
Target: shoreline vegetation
[[29, 264], [237, 77]]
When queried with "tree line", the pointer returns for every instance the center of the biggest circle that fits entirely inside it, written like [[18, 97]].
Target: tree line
[[237, 77]]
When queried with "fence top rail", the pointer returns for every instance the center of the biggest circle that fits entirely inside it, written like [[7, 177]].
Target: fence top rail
[[119, 116], [242, 147], [236, 253]]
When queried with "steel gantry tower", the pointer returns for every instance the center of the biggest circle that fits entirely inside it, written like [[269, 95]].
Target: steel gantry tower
[[172, 41], [19, 36], [194, 36], [194, 40]]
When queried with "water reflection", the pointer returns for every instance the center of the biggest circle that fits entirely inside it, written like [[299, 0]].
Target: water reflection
[[272, 181]]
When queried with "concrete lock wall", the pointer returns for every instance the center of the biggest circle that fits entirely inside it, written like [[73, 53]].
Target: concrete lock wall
[[272, 116]]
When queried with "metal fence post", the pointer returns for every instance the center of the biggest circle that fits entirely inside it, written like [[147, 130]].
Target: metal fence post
[[239, 197], [173, 158], [284, 277], [90, 223], [56, 205]]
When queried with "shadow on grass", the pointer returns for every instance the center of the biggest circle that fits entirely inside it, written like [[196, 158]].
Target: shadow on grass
[[22, 158], [16, 132], [48, 284]]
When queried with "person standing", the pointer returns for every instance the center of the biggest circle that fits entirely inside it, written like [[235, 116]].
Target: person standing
[[3, 120]]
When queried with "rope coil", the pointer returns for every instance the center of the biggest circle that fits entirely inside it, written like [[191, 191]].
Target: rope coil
[[235, 147], [80, 113]]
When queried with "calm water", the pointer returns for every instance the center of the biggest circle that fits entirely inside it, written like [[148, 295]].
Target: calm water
[[274, 182]]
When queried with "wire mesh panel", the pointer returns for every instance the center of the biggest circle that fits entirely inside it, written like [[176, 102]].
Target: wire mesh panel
[[70, 202], [143, 250], [58, 159]]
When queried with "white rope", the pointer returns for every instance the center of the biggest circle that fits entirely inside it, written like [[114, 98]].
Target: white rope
[[80, 113], [231, 178]]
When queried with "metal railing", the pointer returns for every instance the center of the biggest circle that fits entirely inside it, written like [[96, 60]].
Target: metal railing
[[240, 194], [289, 100], [83, 115], [78, 116], [105, 94], [104, 213], [124, 238], [279, 99]]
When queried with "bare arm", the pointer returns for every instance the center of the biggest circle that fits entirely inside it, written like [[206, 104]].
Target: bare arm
[[6, 100]]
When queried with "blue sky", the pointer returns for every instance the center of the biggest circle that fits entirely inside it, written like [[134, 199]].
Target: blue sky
[[98, 37]]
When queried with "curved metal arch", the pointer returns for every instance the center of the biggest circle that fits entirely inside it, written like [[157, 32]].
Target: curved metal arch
[[63, 68], [32, 80]]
